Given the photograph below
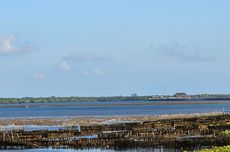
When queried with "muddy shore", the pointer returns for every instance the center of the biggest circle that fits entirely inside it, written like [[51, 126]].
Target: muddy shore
[[86, 121], [181, 131]]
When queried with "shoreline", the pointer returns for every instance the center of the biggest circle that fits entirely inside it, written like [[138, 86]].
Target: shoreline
[[98, 120]]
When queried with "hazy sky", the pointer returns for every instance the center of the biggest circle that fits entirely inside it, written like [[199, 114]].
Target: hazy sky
[[114, 47]]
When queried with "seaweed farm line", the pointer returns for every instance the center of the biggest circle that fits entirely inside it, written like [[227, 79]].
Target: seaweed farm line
[[175, 133]]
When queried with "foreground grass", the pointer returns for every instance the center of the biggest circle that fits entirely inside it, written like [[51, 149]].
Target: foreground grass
[[225, 133], [216, 149]]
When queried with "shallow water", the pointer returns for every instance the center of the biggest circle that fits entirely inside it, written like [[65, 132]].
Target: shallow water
[[105, 109], [157, 149]]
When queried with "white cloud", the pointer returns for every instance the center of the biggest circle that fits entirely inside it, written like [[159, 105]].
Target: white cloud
[[86, 57], [39, 76], [95, 72], [98, 71], [9, 45], [65, 66], [183, 52]]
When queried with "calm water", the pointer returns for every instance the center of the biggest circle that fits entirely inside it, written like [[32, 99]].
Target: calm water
[[104, 109], [159, 149]]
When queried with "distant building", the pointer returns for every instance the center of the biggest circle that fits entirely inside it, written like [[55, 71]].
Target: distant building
[[181, 95]]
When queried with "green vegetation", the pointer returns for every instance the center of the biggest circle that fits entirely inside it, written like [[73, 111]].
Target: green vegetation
[[72, 99], [133, 97], [225, 133], [211, 96], [216, 149]]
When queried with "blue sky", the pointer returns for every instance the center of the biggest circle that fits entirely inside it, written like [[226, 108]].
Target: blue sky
[[117, 47]]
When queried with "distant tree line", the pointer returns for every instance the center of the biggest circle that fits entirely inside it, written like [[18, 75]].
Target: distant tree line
[[109, 98], [211, 97], [72, 99]]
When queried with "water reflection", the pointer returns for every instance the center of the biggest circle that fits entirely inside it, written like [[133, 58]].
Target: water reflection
[[152, 149], [70, 110]]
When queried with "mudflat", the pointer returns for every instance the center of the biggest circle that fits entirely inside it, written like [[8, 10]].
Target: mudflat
[[96, 120]]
